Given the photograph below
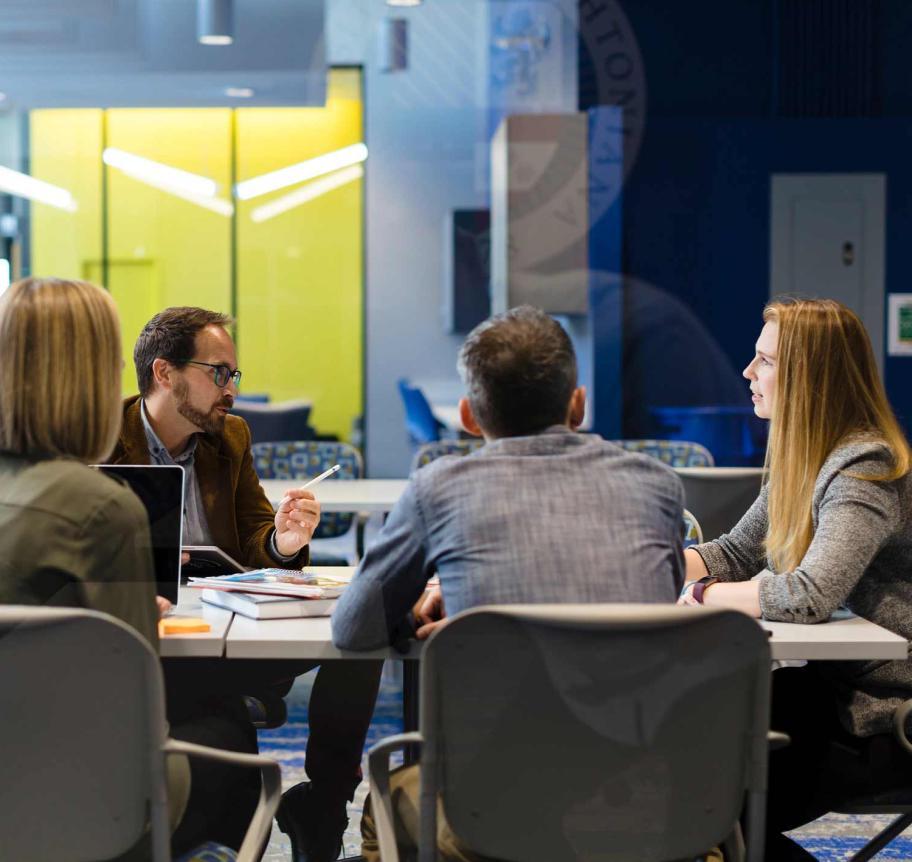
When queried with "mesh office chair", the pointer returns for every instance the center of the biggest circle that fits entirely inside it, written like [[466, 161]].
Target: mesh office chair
[[611, 732], [284, 420], [300, 460], [83, 782], [719, 497], [675, 453]]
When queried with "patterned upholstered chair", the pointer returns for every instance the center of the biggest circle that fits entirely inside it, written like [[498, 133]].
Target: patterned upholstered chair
[[303, 459], [432, 451], [675, 453]]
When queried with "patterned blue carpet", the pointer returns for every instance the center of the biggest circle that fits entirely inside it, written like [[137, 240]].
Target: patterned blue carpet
[[287, 744], [833, 838]]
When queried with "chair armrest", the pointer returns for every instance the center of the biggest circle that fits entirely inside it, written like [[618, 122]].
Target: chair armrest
[[899, 724], [270, 790], [378, 772]]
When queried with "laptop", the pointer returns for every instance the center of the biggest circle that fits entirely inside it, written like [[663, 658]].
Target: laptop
[[161, 490]]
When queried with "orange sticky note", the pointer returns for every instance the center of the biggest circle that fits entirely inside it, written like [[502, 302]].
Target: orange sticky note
[[182, 626]]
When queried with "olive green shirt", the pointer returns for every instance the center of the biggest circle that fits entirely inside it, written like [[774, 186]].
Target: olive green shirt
[[73, 537]]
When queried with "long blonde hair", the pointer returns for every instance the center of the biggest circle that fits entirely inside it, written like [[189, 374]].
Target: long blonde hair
[[60, 369], [827, 390]]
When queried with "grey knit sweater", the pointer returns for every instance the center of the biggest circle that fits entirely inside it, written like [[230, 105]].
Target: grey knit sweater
[[860, 557]]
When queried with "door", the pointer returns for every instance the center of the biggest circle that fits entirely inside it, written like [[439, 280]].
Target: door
[[827, 241]]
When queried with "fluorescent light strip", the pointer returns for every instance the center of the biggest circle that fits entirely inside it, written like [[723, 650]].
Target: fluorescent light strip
[[159, 175], [301, 172], [4, 274], [23, 186], [307, 193], [217, 205]]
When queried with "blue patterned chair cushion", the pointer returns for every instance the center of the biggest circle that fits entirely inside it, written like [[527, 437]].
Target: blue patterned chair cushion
[[431, 451], [209, 852], [304, 459], [675, 453]]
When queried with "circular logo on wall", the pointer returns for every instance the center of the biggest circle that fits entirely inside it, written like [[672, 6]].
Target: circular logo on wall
[[567, 171]]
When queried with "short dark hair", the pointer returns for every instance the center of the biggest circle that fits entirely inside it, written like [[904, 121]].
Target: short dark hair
[[171, 335], [519, 370]]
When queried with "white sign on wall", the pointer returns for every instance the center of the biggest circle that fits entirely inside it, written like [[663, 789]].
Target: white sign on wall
[[899, 327]]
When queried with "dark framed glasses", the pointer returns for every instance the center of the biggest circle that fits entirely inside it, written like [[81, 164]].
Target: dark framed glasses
[[221, 374]]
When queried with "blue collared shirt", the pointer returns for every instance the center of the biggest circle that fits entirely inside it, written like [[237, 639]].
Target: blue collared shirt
[[196, 527]]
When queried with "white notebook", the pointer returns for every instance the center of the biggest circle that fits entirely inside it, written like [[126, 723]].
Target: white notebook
[[260, 606]]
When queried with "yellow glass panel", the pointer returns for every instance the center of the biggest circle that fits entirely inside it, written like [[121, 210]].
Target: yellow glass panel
[[167, 246], [65, 149], [300, 291]]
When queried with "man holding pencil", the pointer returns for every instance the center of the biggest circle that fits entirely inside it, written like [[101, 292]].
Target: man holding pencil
[[186, 368]]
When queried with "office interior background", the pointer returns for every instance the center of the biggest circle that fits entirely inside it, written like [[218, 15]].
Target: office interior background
[[651, 172]]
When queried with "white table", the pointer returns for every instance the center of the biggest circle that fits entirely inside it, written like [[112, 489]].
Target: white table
[[344, 495], [448, 414], [307, 639], [209, 644], [843, 638], [728, 472]]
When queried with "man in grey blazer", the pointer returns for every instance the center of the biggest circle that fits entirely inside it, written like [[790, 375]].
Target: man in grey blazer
[[539, 514]]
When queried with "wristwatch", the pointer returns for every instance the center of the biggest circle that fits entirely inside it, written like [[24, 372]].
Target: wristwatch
[[700, 587]]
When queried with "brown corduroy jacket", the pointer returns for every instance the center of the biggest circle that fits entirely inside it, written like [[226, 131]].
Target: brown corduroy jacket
[[240, 517]]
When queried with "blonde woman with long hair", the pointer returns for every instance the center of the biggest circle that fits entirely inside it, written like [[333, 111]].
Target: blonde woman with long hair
[[832, 527]]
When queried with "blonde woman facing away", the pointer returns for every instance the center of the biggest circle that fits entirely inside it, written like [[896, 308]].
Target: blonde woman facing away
[[833, 527], [71, 536], [68, 534]]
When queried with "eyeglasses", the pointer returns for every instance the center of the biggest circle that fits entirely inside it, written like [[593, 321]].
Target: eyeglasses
[[221, 373]]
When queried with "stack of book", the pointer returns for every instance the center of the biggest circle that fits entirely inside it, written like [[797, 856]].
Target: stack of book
[[276, 593]]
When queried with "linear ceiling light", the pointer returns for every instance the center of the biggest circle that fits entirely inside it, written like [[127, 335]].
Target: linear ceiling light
[[307, 193], [215, 22], [23, 186], [301, 172], [159, 175], [217, 205]]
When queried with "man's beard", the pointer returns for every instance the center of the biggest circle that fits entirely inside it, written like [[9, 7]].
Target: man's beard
[[211, 422]]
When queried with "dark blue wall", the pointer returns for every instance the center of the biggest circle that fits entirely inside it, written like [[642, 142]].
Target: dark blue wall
[[696, 203], [697, 214]]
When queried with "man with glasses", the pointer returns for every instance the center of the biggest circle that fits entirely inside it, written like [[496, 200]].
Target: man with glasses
[[186, 368]]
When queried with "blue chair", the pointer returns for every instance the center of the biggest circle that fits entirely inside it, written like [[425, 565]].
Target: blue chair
[[675, 453], [431, 451], [420, 422], [303, 459]]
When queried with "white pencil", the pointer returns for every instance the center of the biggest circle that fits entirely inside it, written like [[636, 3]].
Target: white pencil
[[326, 474]]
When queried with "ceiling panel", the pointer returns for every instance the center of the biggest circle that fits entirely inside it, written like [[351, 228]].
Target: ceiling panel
[[144, 53]]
